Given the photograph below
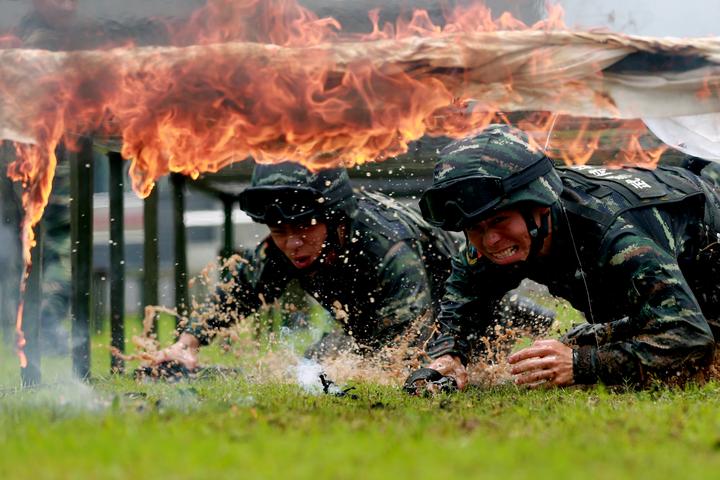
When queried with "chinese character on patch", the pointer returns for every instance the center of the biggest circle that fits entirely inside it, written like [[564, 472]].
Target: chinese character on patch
[[619, 177], [638, 183], [599, 172]]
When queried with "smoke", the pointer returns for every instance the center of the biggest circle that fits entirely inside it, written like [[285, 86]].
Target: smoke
[[65, 393], [112, 14], [307, 375], [90, 24]]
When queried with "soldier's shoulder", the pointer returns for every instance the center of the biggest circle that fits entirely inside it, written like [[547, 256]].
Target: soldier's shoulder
[[369, 239], [381, 216]]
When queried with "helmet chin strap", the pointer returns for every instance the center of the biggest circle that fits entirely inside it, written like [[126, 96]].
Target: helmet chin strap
[[538, 233], [333, 242]]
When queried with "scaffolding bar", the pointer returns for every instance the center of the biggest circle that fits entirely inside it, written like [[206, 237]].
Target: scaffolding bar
[[117, 259], [30, 375], [181, 286], [81, 175], [151, 256], [228, 233]]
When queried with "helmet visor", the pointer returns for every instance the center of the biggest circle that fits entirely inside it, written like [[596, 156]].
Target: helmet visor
[[280, 203]]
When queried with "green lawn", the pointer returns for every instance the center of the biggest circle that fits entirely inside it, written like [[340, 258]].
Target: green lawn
[[116, 428], [229, 427]]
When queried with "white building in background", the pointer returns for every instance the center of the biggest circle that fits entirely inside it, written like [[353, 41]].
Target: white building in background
[[657, 18]]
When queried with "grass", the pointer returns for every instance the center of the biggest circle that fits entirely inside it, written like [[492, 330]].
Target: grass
[[233, 429], [229, 427]]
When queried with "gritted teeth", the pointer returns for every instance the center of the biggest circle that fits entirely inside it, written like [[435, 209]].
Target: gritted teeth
[[505, 253]]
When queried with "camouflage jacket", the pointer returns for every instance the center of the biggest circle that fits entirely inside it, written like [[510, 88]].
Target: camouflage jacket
[[638, 257], [390, 270]]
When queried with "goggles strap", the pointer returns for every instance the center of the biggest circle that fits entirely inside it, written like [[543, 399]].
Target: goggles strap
[[538, 233], [332, 242]]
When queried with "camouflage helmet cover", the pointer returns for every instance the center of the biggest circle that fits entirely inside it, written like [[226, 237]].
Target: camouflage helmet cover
[[333, 184], [499, 151]]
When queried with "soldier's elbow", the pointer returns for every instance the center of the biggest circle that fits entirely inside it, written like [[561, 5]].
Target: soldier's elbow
[[704, 348], [709, 347]]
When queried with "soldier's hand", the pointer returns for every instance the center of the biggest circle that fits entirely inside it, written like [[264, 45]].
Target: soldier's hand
[[451, 366], [184, 352], [544, 363]]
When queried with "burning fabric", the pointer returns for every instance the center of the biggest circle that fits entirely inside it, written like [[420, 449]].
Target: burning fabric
[[197, 109]]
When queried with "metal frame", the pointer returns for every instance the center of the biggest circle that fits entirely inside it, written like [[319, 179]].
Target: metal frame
[[30, 375], [117, 259], [81, 182]]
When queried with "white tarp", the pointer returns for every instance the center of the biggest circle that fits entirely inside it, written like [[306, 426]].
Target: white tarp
[[697, 135]]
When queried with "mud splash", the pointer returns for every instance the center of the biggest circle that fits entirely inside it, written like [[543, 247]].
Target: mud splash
[[271, 345], [268, 348]]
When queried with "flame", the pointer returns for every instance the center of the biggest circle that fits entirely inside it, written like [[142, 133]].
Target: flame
[[577, 140], [710, 89], [281, 22], [580, 149], [10, 41], [203, 103], [635, 154], [20, 335]]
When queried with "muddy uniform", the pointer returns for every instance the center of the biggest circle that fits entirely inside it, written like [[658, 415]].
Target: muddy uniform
[[646, 279], [389, 270]]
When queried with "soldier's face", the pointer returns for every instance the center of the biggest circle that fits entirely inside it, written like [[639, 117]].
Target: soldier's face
[[503, 238], [301, 244]]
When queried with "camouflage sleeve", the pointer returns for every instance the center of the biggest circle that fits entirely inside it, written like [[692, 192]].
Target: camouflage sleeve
[[464, 307], [665, 332], [239, 295], [404, 293]]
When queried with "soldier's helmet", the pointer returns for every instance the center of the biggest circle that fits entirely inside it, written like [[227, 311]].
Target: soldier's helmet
[[480, 175], [290, 193]]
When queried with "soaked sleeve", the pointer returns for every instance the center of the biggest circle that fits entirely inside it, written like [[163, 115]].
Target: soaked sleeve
[[466, 310], [403, 293], [665, 333]]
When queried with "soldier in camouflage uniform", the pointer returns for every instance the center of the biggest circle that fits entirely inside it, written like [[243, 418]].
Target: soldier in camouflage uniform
[[637, 251], [374, 263]]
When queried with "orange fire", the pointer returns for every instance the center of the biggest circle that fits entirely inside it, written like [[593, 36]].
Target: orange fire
[[577, 141], [10, 41], [20, 335], [211, 103]]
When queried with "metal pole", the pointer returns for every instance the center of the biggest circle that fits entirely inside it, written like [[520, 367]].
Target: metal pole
[[228, 229], [117, 259], [150, 252], [30, 375], [181, 288], [81, 165]]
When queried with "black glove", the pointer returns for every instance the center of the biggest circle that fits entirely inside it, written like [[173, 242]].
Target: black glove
[[419, 380]]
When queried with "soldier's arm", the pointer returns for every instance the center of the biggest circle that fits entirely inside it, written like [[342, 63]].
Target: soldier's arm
[[465, 309], [665, 332], [233, 298], [403, 293]]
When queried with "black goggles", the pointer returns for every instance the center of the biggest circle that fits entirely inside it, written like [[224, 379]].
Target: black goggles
[[454, 204], [285, 203], [280, 203]]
